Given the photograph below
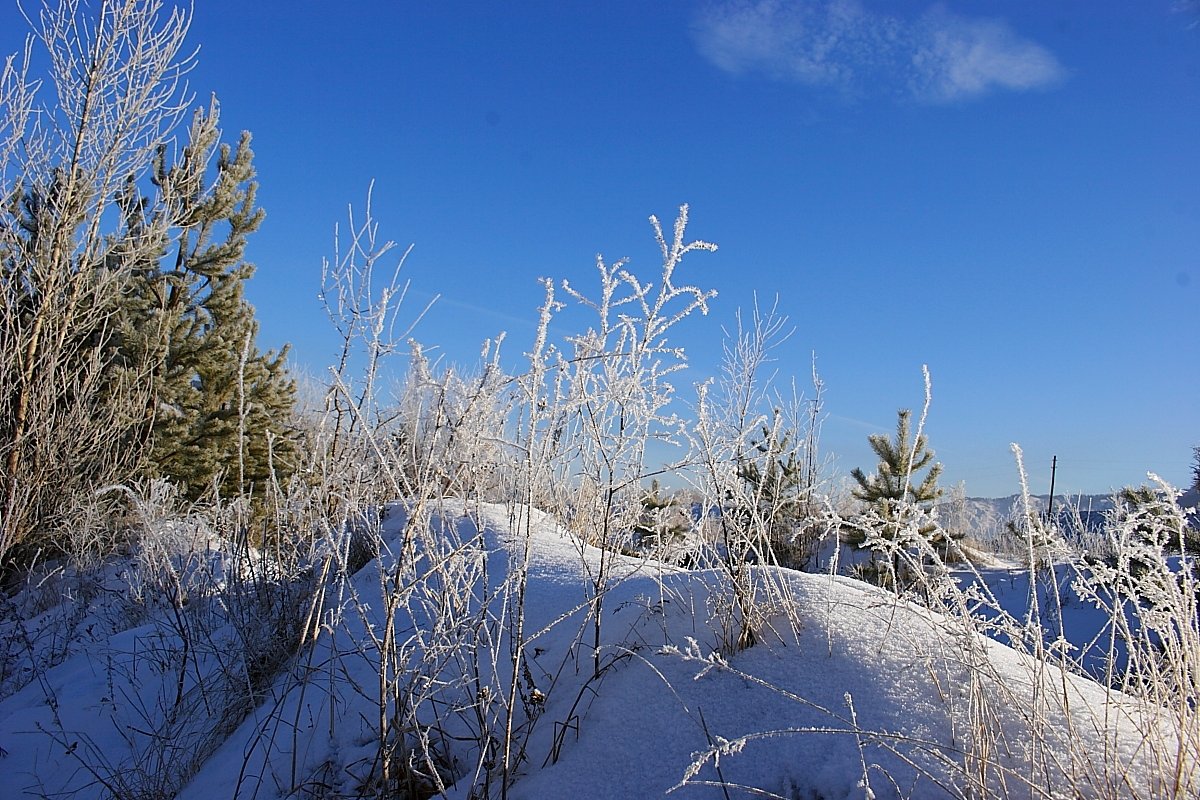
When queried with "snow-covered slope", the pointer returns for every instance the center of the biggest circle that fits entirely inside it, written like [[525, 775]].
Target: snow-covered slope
[[847, 692]]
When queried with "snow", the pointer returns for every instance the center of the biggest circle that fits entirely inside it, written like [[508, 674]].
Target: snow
[[849, 692]]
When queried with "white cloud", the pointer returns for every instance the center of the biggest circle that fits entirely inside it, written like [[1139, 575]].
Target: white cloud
[[939, 57], [959, 58], [809, 43]]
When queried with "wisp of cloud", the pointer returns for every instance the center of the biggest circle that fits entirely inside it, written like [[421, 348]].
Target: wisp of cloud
[[939, 57]]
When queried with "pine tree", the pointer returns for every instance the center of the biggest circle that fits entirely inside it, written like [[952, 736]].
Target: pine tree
[[1155, 521], [893, 489], [776, 473], [220, 413], [1155, 542], [778, 482], [126, 345], [661, 521], [1196, 469]]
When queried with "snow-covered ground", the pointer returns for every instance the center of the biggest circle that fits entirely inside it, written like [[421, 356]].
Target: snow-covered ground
[[108, 690]]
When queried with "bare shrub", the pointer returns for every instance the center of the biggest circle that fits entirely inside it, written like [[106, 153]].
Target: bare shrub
[[758, 470]]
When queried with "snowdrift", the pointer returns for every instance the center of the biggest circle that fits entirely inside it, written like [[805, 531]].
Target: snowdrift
[[403, 677]]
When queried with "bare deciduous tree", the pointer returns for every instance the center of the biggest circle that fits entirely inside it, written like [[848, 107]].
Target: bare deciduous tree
[[73, 133]]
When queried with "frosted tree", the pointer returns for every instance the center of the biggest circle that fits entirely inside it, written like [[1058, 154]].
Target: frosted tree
[[780, 478], [663, 524], [126, 345], [220, 413], [74, 132], [1155, 531], [892, 494]]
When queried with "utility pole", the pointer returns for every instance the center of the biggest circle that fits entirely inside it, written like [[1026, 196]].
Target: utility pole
[[1050, 505]]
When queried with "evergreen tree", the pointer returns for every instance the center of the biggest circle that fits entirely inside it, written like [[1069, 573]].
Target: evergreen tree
[[894, 486], [776, 474], [661, 521], [1155, 542], [778, 483], [126, 345], [66, 427], [1154, 519], [220, 414], [1196, 468]]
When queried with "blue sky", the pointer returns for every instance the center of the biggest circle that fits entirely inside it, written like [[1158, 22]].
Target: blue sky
[[1007, 192]]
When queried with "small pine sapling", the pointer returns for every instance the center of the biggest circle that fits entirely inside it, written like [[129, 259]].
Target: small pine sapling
[[663, 525], [895, 507]]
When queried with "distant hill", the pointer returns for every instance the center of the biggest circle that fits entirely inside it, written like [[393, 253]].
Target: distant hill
[[985, 518]]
